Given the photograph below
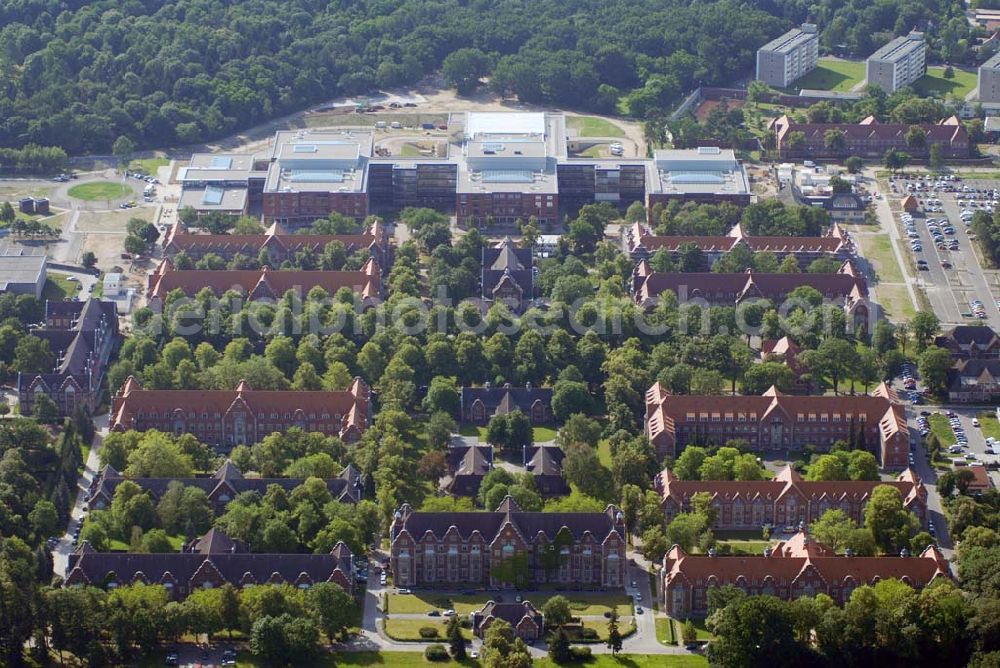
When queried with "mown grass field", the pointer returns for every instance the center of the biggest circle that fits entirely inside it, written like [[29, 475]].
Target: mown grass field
[[831, 74], [592, 126], [580, 603], [934, 83], [95, 191]]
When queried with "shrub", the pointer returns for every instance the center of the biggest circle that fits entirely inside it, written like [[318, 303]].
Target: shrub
[[581, 653], [465, 623], [588, 634], [427, 632], [436, 652]]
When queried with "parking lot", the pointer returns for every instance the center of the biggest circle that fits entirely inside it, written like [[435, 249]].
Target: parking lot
[[938, 235]]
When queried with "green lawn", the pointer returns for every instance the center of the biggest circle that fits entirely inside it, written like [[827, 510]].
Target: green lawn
[[148, 165], [537, 433], [543, 433], [934, 84], [409, 629], [592, 126], [409, 659], [635, 661], [472, 430], [878, 250], [625, 624], [988, 425], [941, 429], [582, 603], [100, 190], [839, 75], [176, 542], [665, 630], [699, 625], [57, 288], [604, 453]]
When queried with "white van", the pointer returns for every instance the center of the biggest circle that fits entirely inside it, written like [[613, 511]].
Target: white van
[[396, 125], [380, 125]]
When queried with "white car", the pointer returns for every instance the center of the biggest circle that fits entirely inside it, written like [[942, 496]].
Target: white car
[[975, 422]]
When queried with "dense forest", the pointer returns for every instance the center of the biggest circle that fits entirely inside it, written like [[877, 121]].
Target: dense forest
[[80, 74]]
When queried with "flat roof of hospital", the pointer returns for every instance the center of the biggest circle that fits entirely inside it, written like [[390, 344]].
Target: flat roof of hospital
[[504, 122], [215, 199]]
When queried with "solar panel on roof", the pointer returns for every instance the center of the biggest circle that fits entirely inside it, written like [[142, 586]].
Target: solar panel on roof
[[221, 162], [213, 195], [507, 176]]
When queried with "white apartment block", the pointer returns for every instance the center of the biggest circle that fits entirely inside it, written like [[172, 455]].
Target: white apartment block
[[782, 61], [989, 80], [899, 63]]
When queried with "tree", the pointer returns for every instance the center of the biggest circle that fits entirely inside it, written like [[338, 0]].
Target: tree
[[464, 67], [614, 634], [834, 529], [935, 159], [284, 640], [45, 409], [7, 213], [934, 365], [834, 140], [895, 160], [442, 396], [33, 355], [331, 607], [839, 185], [122, 149], [854, 164], [689, 634], [88, 259], [686, 529], [891, 524], [924, 326], [559, 647], [134, 245], [158, 456], [501, 649], [583, 469], [579, 428], [754, 631], [557, 611], [456, 643], [916, 137]]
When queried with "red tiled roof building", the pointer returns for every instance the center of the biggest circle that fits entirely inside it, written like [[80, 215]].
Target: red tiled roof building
[[869, 139], [213, 560], [786, 500], [280, 246], [795, 568], [641, 244], [241, 416], [507, 548], [845, 287], [262, 283], [777, 422]]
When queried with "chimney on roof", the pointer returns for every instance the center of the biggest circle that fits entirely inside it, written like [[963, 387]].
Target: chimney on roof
[[767, 551], [848, 552], [711, 551], [904, 552]]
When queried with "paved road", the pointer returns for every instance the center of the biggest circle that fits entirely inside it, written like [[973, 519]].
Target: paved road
[[64, 547]]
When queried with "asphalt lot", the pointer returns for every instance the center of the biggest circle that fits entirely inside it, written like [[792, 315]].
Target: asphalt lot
[[950, 289]]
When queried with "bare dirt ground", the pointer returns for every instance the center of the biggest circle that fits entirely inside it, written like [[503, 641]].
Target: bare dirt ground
[[433, 102], [706, 107], [111, 221]]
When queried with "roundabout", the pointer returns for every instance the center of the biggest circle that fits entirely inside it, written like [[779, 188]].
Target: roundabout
[[94, 191]]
